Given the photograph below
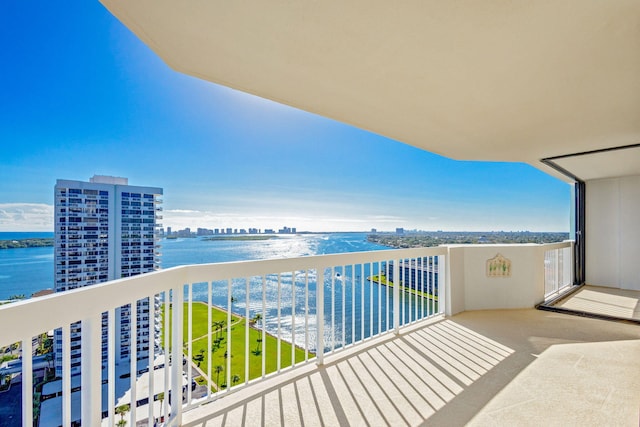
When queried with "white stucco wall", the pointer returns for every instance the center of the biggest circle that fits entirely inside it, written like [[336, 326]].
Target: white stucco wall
[[471, 289], [613, 232]]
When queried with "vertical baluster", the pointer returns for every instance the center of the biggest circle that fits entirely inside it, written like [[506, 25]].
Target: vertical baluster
[[320, 316], [362, 302], [379, 313], [333, 308], [407, 290], [416, 287], [246, 331], [209, 337], [189, 339], [343, 276], [556, 270], [27, 382], [91, 378], [167, 352], [293, 319], [151, 356], [133, 359], [443, 280], [264, 313], [353, 305], [387, 291], [413, 287], [176, 354], [403, 293], [306, 315], [432, 284], [372, 273], [66, 376], [396, 296], [230, 299], [422, 293], [279, 349], [111, 365]]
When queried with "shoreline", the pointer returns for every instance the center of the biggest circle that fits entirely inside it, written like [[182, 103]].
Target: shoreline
[[43, 242]]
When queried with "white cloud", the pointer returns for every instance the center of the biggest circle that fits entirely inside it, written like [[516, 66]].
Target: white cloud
[[26, 217]]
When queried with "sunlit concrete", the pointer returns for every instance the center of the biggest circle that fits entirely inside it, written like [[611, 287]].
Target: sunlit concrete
[[620, 303], [508, 367]]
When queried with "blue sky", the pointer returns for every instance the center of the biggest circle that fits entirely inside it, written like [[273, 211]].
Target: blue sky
[[82, 96]]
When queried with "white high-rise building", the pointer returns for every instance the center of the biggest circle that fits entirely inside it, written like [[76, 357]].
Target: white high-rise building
[[106, 229]]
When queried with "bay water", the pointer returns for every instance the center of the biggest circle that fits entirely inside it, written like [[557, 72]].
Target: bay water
[[28, 270], [349, 298]]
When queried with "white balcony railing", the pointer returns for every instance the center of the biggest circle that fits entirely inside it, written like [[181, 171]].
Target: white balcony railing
[[558, 271], [320, 304]]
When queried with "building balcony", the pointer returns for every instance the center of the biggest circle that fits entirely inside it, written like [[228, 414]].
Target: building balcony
[[456, 344]]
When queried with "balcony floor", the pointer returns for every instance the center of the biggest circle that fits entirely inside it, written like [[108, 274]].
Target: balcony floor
[[511, 367], [612, 302]]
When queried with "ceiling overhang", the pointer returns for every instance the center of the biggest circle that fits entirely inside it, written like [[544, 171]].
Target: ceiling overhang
[[598, 164], [475, 80]]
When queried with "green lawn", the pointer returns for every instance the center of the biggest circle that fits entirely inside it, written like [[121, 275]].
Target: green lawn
[[382, 279], [238, 353]]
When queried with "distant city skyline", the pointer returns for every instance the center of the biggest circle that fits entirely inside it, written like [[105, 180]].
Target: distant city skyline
[[83, 96]]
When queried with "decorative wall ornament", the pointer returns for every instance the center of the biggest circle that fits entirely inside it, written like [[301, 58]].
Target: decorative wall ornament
[[498, 266]]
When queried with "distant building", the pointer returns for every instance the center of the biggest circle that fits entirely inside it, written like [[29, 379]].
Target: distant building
[[204, 232], [416, 274], [106, 229], [269, 231], [374, 230], [400, 230]]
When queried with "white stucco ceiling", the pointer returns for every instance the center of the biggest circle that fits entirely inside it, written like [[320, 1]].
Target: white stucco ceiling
[[495, 80]]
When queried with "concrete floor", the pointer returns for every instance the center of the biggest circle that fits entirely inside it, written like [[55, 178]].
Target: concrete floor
[[612, 302], [482, 368]]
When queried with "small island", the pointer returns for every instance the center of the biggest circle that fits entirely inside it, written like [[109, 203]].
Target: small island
[[239, 238], [26, 243]]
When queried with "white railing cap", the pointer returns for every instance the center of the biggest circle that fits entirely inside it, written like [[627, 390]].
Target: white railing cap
[[33, 316]]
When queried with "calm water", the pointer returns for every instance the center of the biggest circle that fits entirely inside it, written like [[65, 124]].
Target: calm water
[[25, 271], [351, 301]]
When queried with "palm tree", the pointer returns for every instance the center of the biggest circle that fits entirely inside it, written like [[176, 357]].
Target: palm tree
[[218, 370], [161, 399], [235, 378], [257, 350], [257, 318], [219, 325], [122, 410]]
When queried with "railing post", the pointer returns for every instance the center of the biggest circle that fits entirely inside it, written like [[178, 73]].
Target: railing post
[[320, 317], [66, 376], [396, 296], [27, 383], [556, 253], [177, 298], [91, 368], [444, 274]]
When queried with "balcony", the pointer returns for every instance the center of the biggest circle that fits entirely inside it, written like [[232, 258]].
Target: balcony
[[438, 346]]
